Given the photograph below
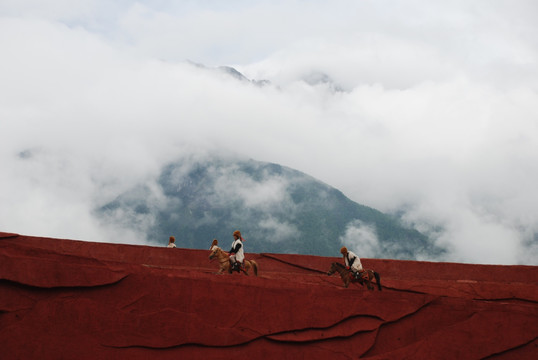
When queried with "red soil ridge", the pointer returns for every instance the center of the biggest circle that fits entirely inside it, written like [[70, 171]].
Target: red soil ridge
[[67, 299]]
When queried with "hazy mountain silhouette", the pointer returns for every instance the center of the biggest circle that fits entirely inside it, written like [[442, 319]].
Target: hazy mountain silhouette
[[277, 209]]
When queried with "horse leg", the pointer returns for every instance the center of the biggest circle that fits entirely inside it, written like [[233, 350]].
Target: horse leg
[[252, 265], [378, 280], [368, 281], [245, 268], [222, 269], [255, 267], [348, 280]]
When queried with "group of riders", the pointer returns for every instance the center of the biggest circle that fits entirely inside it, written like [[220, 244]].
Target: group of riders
[[237, 256]]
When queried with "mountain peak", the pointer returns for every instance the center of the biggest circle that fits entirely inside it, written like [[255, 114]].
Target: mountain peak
[[277, 209]]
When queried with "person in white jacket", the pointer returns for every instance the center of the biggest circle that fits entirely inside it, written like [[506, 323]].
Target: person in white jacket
[[352, 261], [237, 254]]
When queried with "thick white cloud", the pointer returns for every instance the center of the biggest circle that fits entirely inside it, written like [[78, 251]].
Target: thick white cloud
[[417, 105], [361, 239]]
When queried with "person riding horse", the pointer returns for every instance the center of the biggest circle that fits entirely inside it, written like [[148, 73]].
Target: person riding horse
[[171, 242], [352, 262], [237, 254], [214, 244]]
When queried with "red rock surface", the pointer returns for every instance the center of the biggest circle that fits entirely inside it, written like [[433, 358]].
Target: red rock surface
[[66, 299]]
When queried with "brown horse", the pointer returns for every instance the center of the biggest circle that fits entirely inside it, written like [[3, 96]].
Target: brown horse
[[224, 262], [365, 277]]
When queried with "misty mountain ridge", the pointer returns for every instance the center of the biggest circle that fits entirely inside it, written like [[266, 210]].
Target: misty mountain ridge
[[277, 209], [312, 78], [233, 72]]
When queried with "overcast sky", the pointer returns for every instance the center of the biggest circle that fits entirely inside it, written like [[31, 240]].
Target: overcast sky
[[427, 106]]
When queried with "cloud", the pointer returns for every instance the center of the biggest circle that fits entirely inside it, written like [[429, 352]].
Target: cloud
[[425, 107], [361, 239], [263, 194], [276, 230]]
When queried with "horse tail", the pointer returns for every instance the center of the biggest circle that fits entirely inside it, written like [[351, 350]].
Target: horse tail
[[378, 280], [255, 267]]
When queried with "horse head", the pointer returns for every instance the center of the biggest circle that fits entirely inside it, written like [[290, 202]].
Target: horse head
[[332, 269], [336, 267], [214, 249]]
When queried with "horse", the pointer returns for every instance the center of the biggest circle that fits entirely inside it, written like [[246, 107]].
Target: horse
[[365, 276], [224, 262]]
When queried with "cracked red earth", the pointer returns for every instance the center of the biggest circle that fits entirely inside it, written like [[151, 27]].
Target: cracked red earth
[[85, 300]]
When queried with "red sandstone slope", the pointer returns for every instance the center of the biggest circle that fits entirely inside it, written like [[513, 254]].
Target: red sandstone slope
[[65, 299]]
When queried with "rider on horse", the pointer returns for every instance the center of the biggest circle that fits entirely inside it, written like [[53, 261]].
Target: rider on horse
[[171, 242], [215, 243], [352, 262], [237, 254]]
